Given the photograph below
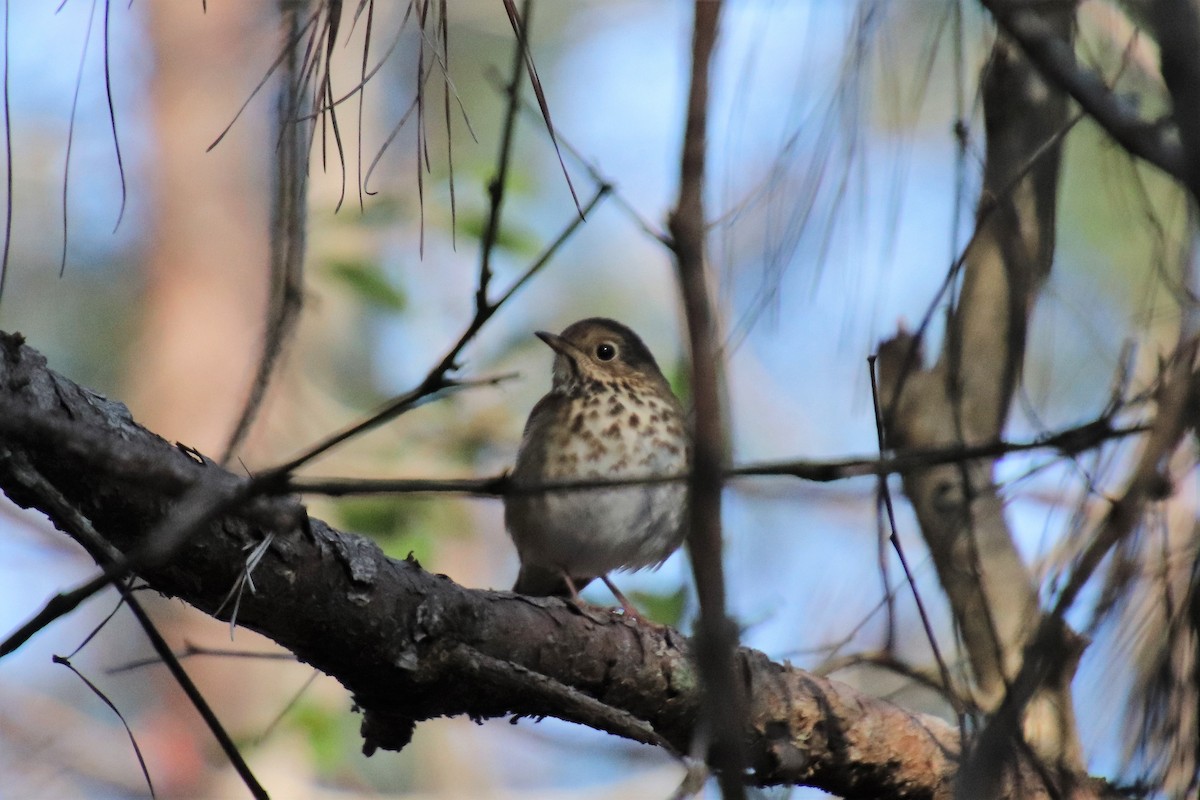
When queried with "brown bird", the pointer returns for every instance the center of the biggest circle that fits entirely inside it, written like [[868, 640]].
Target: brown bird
[[609, 414]]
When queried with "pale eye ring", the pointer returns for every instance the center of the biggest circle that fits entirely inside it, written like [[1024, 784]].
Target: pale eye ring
[[606, 351]]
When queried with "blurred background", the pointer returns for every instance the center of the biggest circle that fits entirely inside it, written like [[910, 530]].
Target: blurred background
[[840, 197]]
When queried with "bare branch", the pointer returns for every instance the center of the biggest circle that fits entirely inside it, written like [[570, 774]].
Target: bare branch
[[412, 645], [17, 468], [1157, 142], [1068, 442], [716, 634], [1175, 25]]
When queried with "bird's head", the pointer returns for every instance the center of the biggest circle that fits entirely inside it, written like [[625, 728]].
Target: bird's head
[[599, 350]]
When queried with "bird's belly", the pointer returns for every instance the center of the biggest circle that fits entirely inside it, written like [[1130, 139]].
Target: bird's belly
[[589, 532], [592, 532]]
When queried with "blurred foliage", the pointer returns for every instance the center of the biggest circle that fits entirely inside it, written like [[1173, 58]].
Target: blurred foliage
[[380, 518], [380, 210], [328, 731], [368, 282], [679, 375], [517, 239], [335, 748], [665, 609], [400, 525]]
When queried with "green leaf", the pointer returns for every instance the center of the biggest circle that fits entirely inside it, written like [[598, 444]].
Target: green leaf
[[369, 283]]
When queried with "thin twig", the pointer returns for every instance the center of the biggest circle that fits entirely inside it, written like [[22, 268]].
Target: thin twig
[[520, 26], [894, 538], [191, 651], [435, 386], [499, 181], [592, 169], [1067, 442], [137, 751], [66, 181], [284, 52], [112, 113], [81, 528]]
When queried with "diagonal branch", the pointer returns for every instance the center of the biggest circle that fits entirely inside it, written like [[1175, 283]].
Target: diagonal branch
[[1155, 141], [411, 645]]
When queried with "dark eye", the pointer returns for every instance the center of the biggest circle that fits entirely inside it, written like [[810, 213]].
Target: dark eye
[[605, 352]]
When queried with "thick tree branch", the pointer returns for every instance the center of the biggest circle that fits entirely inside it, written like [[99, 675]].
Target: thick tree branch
[[410, 645]]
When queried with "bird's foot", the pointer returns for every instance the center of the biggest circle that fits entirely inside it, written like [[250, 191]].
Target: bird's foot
[[626, 606]]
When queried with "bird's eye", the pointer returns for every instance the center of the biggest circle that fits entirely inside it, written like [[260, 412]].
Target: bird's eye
[[605, 351]]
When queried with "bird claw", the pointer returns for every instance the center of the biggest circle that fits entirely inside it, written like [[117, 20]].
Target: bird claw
[[626, 606]]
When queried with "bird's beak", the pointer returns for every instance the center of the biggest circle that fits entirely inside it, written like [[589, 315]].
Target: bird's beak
[[566, 359], [557, 343]]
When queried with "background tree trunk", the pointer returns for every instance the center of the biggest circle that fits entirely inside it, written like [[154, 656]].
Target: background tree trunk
[[964, 398]]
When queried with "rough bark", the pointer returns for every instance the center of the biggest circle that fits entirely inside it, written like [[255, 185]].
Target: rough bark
[[965, 397], [410, 645]]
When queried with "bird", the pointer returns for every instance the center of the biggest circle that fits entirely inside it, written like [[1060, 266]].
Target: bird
[[610, 414]]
